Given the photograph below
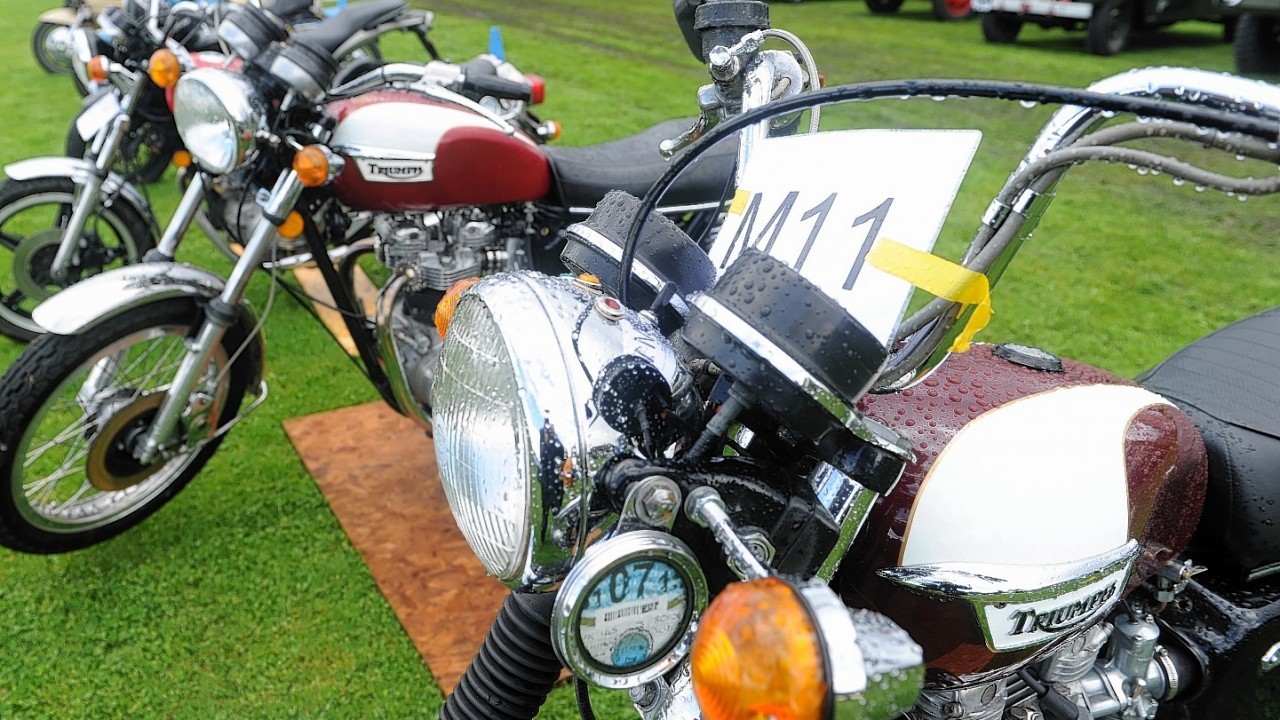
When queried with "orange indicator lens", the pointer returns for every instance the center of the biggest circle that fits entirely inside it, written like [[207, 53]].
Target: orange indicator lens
[[312, 165], [164, 68], [758, 655], [449, 303]]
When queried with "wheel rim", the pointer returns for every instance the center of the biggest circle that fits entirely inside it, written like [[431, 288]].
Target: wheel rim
[[55, 47], [55, 488], [1118, 26], [29, 227]]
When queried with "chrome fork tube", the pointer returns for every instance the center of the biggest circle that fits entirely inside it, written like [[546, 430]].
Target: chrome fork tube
[[219, 315], [105, 147], [182, 216]]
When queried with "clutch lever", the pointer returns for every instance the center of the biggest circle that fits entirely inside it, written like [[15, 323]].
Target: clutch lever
[[711, 111]]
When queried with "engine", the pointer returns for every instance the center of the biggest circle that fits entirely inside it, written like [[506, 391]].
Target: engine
[[435, 250]]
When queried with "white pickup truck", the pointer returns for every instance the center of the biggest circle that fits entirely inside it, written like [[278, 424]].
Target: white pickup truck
[[1108, 23]]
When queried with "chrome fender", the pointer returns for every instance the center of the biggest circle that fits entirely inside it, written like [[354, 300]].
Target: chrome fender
[[79, 170], [59, 16], [100, 298]]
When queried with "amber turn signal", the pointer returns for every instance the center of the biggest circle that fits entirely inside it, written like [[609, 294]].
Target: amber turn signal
[[312, 165], [449, 303], [291, 227], [96, 68], [164, 68], [181, 158], [758, 654]]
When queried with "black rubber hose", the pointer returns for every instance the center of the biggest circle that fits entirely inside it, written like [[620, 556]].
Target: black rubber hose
[[516, 667]]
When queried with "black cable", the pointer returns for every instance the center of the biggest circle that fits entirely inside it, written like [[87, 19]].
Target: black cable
[[584, 699], [1241, 121]]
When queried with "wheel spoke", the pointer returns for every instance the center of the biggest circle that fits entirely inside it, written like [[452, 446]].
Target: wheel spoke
[[10, 241], [75, 430]]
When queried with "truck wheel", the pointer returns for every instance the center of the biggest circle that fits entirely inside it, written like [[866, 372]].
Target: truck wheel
[[1257, 45], [951, 9], [1109, 27], [1001, 27], [884, 7]]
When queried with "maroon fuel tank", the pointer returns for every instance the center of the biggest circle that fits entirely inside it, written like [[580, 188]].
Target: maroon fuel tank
[[408, 153], [1036, 500]]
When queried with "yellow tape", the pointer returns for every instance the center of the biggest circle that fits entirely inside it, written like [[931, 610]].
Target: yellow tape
[[739, 203], [940, 277]]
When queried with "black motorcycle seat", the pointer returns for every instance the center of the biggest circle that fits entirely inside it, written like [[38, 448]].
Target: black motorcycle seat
[[329, 34], [581, 176], [291, 9], [1228, 382]]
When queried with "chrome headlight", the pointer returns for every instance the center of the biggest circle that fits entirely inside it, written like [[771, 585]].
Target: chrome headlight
[[218, 115], [517, 437]]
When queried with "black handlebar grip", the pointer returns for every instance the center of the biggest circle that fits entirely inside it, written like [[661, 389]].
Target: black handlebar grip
[[494, 86]]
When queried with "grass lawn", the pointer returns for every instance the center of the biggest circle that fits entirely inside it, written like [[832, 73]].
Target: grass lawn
[[244, 599]]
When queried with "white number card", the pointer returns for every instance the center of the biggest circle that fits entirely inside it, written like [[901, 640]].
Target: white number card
[[819, 202]]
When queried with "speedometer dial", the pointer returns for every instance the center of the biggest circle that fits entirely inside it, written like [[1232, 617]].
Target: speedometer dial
[[634, 612], [624, 614]]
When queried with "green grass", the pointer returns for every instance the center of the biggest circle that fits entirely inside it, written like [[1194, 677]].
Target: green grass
[[243, 598]]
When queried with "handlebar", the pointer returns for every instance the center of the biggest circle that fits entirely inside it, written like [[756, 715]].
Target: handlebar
[[497, 87]]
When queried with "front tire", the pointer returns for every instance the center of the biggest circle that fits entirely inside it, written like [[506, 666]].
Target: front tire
[[51, 47], [75, 403], [1257, 44], [1001, 27], [1109, 27], [32, 215]]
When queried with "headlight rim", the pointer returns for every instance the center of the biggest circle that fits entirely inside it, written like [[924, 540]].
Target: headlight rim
[[240, 106], [557, 353]]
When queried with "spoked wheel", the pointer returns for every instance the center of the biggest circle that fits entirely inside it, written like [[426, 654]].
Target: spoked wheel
[[76, 409], [32, 215], [144, 154], [51, 44]]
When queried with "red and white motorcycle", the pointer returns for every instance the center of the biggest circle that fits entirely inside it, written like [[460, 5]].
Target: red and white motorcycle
[[436, 169], [742, 486]]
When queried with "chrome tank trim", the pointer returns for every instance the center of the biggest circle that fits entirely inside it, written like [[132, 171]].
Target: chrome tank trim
[[100, 298], [865, 428], [79, 171], [389, 354], [1019, 592]]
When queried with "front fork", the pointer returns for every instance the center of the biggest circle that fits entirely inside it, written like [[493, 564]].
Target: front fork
[[103, 154], [220, 313]]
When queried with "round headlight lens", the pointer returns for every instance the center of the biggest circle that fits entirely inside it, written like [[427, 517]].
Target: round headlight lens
[[480, 441], [217, 114]]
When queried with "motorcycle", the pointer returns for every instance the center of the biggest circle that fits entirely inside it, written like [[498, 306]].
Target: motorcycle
[[69, 218], [51, 42], [743, 486], [424, 167]]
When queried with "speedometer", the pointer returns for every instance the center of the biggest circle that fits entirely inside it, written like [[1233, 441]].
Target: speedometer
[[625, 612]]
